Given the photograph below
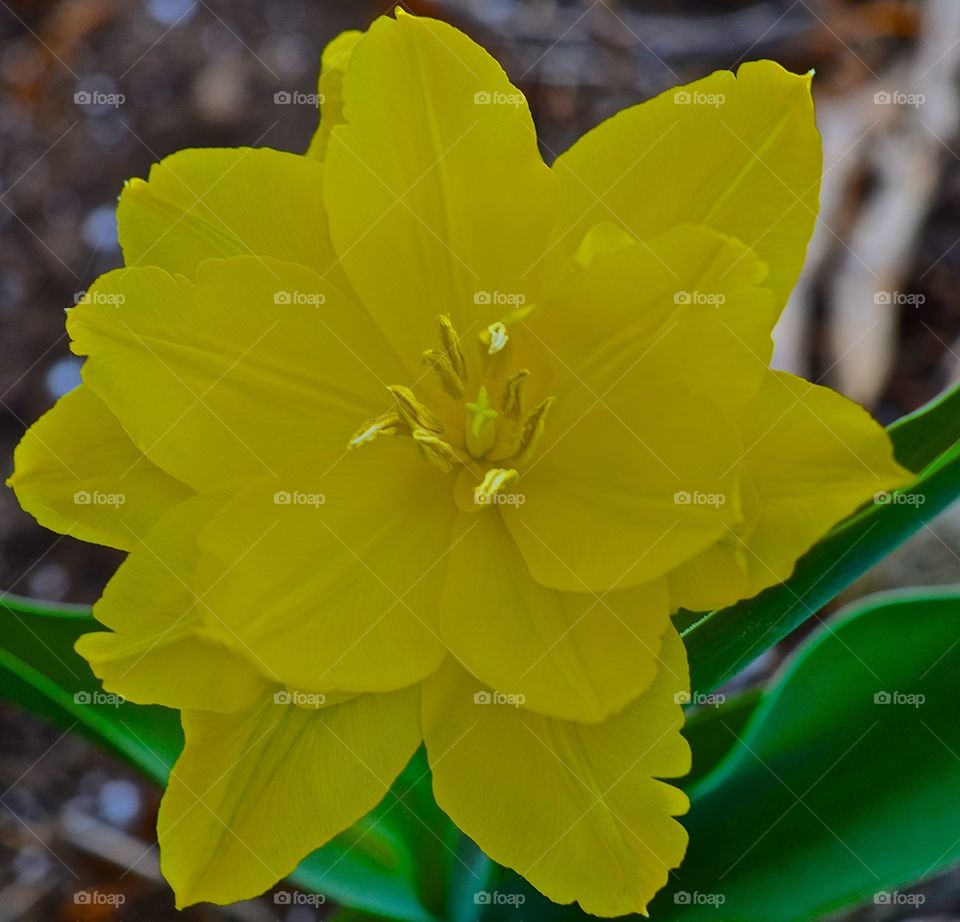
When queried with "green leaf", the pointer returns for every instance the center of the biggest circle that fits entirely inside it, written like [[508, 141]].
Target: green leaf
[[373, 867], [844, 783], [712, 730], [724, 641]]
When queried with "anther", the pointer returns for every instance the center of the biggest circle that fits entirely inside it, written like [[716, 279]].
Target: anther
[[387, 424], [494, 481], [513, 394], [451, 346], [434, 450], [441, 364], [495, 337], [413, 412], [531, 431]]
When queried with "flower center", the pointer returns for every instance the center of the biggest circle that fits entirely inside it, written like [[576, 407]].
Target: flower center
[[498, 434]]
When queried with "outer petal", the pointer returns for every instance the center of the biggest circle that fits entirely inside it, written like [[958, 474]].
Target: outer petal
[[333, 65], [216, 203], [256, 791], [349, 555], [574, 808], [77, 472], [254, 363], [627, 492], [738, 153], [813, 457], [450, 211], [155, 654], [576, 656], [686, 307]]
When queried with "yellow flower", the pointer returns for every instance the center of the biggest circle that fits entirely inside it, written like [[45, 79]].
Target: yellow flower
[[416, 438]]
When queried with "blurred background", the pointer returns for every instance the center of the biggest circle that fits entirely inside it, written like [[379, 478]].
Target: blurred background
[[94, 91]]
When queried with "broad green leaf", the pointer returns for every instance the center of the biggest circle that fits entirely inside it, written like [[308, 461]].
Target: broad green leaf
[[712, 728], [844, 783], [724, 641], [373, 867]]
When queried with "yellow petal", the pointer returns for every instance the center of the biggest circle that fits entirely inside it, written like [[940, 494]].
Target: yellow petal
[[333, 65], [575, 808], [627, 492], [688, 307], [255, 791], [155, 654], [349, 555], [215, 203], [439, 200], [572, 655], [78, 473], [814, 457], [254, 363], [738, 153]]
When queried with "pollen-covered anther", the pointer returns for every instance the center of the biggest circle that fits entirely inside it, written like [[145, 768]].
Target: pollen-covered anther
[[413, 412], [443, 367], [480, 431], [451, 346], [531, 431], [513, 394], [495, 337], [435, 450], [387, 424], [496, 480]]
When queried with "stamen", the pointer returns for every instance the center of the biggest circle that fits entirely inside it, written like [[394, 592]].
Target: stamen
[[387, 424], [449, 379], [413, 412], [451, 345], [531, 431], [434, 450], [480, 430], [513, 394], [494, 481], [495, 337]]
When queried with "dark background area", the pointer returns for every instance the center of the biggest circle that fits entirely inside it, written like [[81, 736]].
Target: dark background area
[[194, 73]]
